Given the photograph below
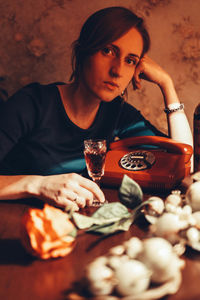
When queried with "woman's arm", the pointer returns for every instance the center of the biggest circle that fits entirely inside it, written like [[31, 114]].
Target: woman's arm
[[178, 125], [62, 190]]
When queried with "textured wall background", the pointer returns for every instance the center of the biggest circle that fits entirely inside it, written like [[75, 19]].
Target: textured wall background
[[36, 36]]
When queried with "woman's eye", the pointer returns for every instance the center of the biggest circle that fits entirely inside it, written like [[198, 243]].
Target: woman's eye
[[131, 61], [107, 50]]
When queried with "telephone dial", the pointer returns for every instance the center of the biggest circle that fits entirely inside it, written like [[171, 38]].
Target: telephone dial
[[161, 167]]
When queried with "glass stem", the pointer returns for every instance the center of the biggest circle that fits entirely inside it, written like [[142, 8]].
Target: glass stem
[[97, 181]]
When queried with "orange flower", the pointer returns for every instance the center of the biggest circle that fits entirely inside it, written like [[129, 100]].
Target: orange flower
[[47, 233]]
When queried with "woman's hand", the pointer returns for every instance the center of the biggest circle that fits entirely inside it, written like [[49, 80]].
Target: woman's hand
[[149, 70], [70, 190]]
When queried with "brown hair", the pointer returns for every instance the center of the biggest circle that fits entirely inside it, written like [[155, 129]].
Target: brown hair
[[101, 29]]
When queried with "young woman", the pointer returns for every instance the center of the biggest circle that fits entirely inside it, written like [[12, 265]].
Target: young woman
[[42, 127]]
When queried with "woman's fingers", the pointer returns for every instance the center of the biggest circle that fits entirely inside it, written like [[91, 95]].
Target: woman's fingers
[[85, 194], [69, 204], [66, 188], [85, 188], [143, 70], [149, 70], [137, 75], [76, 197], [94, 189], [63, 202]]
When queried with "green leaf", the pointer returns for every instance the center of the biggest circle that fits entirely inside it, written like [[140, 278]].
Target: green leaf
[[111, 211], [121, 225], [106, 214], [130, 192], [82, 221], [112, 217]]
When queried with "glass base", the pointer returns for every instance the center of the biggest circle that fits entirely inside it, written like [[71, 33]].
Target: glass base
[[96, 203]]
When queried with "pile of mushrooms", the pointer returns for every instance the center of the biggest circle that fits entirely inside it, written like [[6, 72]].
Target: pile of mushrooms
[[177, 218], [151, 268], [137, 269]]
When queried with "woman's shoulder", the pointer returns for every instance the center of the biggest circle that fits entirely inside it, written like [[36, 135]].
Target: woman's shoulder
[[33, 98], [34, 92], [36, 87], [29, 90]]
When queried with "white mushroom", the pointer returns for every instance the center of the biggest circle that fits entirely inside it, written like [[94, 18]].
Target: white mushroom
[[178, 210], [133, 278], [196, 217], [117, 250], [193, 235], [159, 257], [156, 252], [196, 176], [179, 248], [155, 206], [124, 258], [114, 261], [133, 247], [171, 208], [186, 215], [156, 261], [187, 209], [174, 199], [167, 226], [100, 277], [192, 196], [163, 275]]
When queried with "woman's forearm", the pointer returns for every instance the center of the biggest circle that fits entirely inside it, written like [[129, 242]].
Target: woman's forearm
[[19, 186], [179, 128], [178, 125], [63, 190]]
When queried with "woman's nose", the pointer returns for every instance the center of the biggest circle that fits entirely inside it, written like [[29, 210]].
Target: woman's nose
[[116, 68]]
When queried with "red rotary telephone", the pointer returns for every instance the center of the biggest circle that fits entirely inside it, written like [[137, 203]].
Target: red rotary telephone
[[161, 168]]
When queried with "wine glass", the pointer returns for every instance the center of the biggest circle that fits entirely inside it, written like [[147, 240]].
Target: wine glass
[[95, 154]]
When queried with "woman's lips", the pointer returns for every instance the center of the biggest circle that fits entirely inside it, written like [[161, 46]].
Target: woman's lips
[[111, 85]]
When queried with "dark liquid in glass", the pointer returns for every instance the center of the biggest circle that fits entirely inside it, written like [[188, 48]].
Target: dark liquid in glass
[[95, 163]]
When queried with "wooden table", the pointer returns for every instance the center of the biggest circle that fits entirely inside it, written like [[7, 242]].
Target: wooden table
[[23, 277]]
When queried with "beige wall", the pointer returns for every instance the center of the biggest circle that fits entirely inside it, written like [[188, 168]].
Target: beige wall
[[36, 36]]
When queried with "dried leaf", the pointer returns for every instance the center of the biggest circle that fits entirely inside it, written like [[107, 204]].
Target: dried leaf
[[106, 214], [121, 225], [112, 217], [130, 193], [114, 210]]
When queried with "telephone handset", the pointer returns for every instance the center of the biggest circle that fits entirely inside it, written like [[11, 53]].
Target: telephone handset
[[162, 167]]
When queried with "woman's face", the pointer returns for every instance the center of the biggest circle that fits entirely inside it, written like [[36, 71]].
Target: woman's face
[[108, 72]]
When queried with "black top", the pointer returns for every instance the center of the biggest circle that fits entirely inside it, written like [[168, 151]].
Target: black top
[[37, 136]]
